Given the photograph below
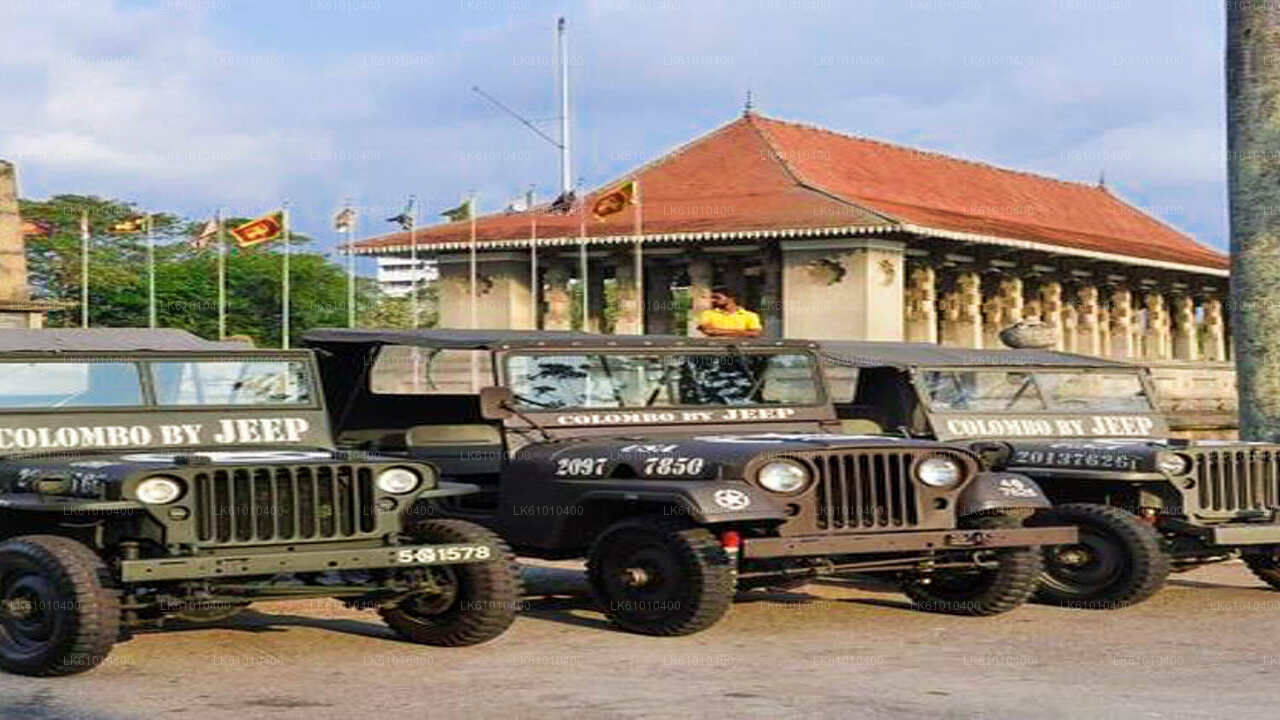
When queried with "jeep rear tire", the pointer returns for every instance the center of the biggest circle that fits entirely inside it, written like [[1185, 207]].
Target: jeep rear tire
[[1118, 561], [57, 617], [982, 592], [480, 599], [1266, 567], [657, 575]]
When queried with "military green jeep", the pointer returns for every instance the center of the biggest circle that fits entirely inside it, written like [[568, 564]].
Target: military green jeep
[[1089, 432], [148, 476]]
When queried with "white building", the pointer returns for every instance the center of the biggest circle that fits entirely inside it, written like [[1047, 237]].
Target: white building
[[396, 275]]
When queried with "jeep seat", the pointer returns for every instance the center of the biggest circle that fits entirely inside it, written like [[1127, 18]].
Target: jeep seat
[[471, 449]]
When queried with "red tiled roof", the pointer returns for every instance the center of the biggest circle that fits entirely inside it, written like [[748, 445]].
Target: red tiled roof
[[762, 175]]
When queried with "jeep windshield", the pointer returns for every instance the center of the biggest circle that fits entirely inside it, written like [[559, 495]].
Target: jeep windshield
[[56, 384], [558, 381], [1031, 391]]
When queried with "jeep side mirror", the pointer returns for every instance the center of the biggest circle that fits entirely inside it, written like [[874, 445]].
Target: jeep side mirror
[[495, 403]]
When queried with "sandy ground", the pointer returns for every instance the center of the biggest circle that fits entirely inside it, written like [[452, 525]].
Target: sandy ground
[[1207, 647]]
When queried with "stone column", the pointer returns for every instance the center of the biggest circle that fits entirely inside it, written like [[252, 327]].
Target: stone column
[[1185, 346], [771, 290], [700, 279], [1002, 310], [1157, 334], [658, 303], [594, 321], [559, 301], [502, 291], [630, 318], [843, 288], [1089, 323], [1051, 311], [1122, 323], [921, 311], [962, 312], [1215, 331], [1070, 328]]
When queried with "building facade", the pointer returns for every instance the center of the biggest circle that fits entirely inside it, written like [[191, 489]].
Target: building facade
[[832, 236], [397, 275]]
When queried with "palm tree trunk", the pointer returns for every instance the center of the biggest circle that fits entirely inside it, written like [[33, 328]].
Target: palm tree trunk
[[1253, 163]]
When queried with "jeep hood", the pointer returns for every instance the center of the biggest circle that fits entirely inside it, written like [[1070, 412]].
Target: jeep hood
[[710, 456]]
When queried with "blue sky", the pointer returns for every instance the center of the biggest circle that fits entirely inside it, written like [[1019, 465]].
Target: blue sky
[[188, 105]]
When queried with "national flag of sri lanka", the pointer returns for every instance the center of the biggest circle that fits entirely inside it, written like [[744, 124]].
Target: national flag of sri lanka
[[36, 228], [130, 225], [615, 200], [264, 229]]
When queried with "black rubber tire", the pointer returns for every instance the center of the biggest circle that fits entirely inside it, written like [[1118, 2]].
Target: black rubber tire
[[985, 592], [1126, 564], [487, 598], [1266, 567], [690, 579], [71, 619]]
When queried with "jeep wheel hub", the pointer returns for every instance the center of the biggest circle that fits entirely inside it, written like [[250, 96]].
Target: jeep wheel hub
[[635, 577]]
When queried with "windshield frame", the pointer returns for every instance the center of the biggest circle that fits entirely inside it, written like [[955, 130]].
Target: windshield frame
[[1144, 379], [822, 399], [148, 396]]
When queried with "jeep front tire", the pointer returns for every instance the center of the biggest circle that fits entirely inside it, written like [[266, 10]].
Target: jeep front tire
[[656, 575], [1118, 561], [988, 591], [478, 601], [57, 617]]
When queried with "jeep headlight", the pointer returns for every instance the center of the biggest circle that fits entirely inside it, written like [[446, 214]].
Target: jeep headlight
[[939, 472], [398, 480], [1173, 464], [159, 490], [783, 476]]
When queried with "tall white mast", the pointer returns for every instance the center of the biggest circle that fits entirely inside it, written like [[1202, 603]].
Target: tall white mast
[[566, 172]]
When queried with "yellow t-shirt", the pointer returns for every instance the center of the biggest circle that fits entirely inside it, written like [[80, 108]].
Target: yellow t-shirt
[[740, 319]]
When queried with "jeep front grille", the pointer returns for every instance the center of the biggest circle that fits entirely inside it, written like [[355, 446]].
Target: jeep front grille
[[1237, 480], [244, 506], [858, 491]]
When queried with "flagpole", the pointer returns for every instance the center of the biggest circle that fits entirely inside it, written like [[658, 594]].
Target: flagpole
[[582, 265], [84, 268], [222, 276], [533, 264], [475, 360], [151, 274], [351, 269], [639, 257], [471, 211], [284, 282], [413, 265]]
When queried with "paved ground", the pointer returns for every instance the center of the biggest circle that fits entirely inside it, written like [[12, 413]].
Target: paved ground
[[1207, 647]]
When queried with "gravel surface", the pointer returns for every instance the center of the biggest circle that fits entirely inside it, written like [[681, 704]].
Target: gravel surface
[[1206, 647]]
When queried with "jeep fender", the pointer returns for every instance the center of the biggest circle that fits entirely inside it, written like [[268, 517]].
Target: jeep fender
[[1001, 491], [707, 503]]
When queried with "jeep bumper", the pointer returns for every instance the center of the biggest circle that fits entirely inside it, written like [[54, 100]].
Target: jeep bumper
[[1245, 534], [318, 560], [810, 545]]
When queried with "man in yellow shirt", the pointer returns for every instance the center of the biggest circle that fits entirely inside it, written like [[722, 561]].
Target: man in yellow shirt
[[726, 318]]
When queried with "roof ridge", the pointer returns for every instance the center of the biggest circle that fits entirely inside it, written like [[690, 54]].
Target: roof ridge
[[799, 177], [931, 153]]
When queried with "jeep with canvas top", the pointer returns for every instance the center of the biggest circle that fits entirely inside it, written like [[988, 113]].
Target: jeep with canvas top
[[1090, 433], [148, 476], [682, 469]]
